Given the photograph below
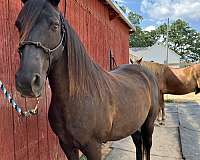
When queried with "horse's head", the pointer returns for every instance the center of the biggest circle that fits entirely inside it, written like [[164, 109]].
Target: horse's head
[[196, 75], [138, 61], [41, 32]]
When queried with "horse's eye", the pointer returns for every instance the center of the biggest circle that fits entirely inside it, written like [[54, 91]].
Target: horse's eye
[[55, 26]]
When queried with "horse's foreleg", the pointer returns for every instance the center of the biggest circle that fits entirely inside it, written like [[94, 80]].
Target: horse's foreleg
[[70, 152], [147, 138], [92, 150], [159, 118], [161, 115], [137, 139], [162, 106], [147, 132]]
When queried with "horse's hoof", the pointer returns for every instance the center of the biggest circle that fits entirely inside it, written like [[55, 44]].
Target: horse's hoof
[[164, 118], [157, 124], [159, 119], [162, 123]]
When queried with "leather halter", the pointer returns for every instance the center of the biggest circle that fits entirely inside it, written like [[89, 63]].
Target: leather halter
[[46, 50]]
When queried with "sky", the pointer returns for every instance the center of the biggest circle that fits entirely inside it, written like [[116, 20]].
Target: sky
[[156, 12]]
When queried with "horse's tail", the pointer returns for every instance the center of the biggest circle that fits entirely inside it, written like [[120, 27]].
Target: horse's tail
[[148, 126]]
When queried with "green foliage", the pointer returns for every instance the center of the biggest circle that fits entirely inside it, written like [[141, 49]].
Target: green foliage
[[123, 8], [135, 18], [142, 38], [139, 38], [182, 39]]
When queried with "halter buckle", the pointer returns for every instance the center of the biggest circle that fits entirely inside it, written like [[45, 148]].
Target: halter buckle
[[38, 44]]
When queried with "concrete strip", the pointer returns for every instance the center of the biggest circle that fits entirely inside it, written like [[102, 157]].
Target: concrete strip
[[189, 114]]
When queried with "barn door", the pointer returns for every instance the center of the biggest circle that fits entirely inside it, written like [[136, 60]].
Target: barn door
[[113, 63]]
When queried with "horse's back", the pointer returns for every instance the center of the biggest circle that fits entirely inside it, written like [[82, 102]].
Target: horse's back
[[133, 77], [149, 76], [131, 70]]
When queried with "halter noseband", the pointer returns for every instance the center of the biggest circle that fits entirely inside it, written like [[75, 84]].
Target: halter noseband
[[46, 50]]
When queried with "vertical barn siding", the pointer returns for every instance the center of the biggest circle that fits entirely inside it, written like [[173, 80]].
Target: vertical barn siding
[[32, 138], [98, 33], [20, 125], [6, 127], [21, 138]]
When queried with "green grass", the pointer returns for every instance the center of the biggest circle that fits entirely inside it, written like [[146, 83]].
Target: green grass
[[169, 100]]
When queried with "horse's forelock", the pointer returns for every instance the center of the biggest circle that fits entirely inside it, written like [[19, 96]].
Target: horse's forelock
[[28, 15]]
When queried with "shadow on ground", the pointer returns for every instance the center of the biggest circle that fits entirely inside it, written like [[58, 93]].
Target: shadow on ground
[[178, 139], [166, 144], [189, 115]]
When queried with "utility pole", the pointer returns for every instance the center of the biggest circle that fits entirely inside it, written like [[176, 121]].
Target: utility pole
[[167, 41], [167, 46]]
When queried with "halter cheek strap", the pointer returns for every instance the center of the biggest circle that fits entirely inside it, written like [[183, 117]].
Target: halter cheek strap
[[46, 50]]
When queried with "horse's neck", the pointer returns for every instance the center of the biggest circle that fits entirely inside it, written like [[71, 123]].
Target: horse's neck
[[92, 84], [75, 74], [86, 77], [58, 78], [180, 81]]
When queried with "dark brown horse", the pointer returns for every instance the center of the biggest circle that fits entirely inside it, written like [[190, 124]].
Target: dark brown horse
[[89, 106], [177, 81]]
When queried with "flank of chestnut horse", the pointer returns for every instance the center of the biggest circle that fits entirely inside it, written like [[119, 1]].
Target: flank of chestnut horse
[[177, 81], [89, 106]]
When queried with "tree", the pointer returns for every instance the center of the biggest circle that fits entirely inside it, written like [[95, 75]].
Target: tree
[[184, 40], [142, 38], [135, 18], [123, 8], [139, 38]]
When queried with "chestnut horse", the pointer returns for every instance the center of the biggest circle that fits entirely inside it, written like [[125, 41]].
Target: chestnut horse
[[89, 106], [177, 81]]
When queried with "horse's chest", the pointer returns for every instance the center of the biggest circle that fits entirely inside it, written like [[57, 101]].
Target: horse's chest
[[71, 123], [56, 120]]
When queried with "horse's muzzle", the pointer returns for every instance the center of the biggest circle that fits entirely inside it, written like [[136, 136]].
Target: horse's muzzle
[[29, 85]]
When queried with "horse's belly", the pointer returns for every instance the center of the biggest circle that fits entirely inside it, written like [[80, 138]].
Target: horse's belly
[[119, 132], [129, 123]]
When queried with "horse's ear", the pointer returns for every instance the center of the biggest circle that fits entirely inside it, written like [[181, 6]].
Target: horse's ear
[[24, 1], [55, 2], [139, 61], [131, 61]]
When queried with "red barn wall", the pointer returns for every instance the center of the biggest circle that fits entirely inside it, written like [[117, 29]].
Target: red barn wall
[[99, 34], [32, 138]]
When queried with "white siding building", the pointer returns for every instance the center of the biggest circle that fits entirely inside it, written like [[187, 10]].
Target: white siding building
[[156, 53]]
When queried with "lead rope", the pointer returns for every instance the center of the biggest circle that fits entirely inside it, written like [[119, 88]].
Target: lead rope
[[17, 107], [83, 157]]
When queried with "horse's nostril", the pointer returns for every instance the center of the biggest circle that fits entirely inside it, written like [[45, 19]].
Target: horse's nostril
[[36, 81]]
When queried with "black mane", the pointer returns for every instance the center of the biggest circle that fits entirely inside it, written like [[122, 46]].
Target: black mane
[[82, 69]]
